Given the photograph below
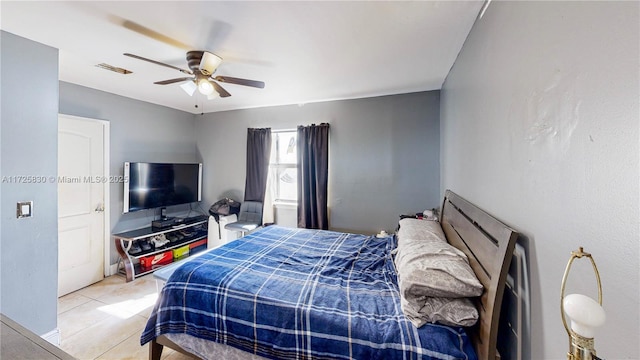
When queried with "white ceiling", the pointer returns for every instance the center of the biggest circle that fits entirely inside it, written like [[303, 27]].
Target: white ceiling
[[303, 51]]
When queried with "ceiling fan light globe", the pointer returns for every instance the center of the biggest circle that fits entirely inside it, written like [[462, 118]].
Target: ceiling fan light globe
[[209, 63], [205, 87], [189, 87]]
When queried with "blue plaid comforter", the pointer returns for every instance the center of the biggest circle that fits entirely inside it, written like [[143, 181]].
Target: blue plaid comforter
[[288, 293]]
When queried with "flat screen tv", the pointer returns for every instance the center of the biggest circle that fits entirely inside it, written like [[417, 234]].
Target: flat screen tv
[[157, 185]]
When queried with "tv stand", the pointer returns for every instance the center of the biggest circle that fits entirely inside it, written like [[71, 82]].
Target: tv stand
[[190, 232], [165, 223]]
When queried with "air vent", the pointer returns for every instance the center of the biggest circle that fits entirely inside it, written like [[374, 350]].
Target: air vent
[[114, 69]]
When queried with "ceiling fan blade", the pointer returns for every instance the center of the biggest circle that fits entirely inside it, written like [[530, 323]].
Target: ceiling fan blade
[[154, 34], [172, 81], [158, 63], [238, 81], [219, 89]]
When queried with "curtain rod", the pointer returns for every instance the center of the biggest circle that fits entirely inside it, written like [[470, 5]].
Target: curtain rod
[[283, 130]]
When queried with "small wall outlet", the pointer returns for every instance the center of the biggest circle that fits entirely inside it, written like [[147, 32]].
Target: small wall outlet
[[24, 209]]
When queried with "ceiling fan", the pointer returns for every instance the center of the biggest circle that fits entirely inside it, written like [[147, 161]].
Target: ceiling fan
[[202, 65]]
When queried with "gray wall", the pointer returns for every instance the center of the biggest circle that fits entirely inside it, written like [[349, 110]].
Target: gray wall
[[29, 122], [383, 161], [140, 131], [539, 126], [384, 150]]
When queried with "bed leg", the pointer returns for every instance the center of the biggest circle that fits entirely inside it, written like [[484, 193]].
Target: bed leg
[[155, 350]]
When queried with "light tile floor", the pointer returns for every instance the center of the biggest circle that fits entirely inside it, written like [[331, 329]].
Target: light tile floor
[[105, 320]]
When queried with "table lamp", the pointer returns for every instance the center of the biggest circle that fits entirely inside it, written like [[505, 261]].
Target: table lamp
[[584, 313]]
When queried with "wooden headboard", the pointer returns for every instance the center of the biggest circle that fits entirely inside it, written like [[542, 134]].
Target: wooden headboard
[[489, 246]]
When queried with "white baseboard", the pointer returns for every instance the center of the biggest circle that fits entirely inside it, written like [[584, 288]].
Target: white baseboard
[[113, 269], [53, 337]]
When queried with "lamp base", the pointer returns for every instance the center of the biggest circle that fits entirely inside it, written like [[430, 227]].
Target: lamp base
[[593, 356], [581, 348]]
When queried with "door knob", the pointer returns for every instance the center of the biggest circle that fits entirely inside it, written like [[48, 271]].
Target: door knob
[[99, 208]]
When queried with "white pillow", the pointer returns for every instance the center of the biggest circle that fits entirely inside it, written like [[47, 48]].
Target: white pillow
[[446, 311], [416, 229], [428, 267]]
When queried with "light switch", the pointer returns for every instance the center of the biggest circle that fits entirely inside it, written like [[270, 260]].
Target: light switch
[[24, 209]]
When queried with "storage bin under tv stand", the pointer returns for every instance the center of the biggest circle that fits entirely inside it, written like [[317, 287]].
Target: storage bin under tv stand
[[129, 265]]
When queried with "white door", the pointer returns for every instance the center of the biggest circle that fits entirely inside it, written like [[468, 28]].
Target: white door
[[81, 218]]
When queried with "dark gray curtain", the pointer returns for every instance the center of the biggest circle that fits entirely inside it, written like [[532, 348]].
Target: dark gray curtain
[[258, 152], [313, 173]]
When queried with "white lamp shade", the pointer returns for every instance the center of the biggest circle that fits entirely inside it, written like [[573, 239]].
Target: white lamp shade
[[215, 95], [189, 87], [209, 63], [585, 314], [205, 87]]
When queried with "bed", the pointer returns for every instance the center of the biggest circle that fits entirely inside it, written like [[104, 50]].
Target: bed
[[326, 295]]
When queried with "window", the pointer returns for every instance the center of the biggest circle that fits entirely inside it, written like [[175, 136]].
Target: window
[[284, 165]]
